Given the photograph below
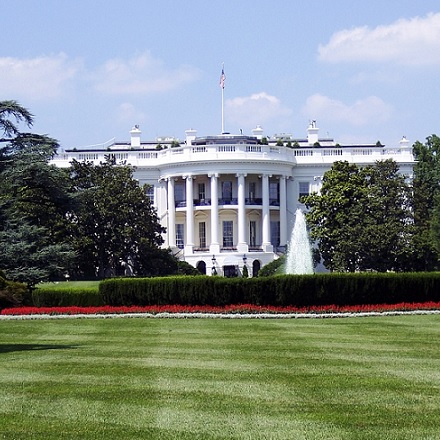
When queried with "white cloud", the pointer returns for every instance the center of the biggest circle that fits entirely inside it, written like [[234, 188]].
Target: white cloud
[[259, 108], [142, 74], [39, 78], [414, 41], [128, 113], [364, 111]]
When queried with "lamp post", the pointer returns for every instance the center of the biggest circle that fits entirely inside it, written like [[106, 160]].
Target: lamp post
[[213, 270], [245, 272]]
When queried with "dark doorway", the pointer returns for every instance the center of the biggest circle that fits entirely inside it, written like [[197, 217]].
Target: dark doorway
[[201, 267], [230, 271], [256, 266]]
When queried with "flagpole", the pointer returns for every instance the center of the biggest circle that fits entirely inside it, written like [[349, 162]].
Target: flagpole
[[223, 110], [222, 85]]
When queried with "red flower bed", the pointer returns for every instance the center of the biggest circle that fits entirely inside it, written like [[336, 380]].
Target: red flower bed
[[234, 308]]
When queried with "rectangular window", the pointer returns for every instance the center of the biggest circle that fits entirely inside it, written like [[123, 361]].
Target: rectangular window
[[275, 233], [227, 191], [179, 235], [274, 190], [150, 193], [304, 189], [201, 187], [179, 194], [252, 191], [202, 234], [252, 233], [228, 233]]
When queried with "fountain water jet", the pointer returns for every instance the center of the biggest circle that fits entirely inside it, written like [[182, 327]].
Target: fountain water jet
[[299, 255]]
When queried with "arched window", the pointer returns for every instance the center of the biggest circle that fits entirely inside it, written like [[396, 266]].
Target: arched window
[[201, 267], [256, 266]]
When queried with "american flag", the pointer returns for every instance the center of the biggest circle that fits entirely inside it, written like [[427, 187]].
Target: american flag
[[222, 79]]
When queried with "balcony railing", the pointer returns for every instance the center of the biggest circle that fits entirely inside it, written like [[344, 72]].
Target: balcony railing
[[232, 201], [207, 153]]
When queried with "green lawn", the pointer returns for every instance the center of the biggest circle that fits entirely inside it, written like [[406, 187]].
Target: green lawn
[[70, 284], [361, 378]]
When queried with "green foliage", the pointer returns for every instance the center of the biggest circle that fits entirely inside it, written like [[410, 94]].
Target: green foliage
[[33, 203], [361, 218], [426, 204], [283, 290], [184, 268], [12, 294], [64, 297], [114, 226], [273, 267], [245, 272], [28, 256], [12, 109]]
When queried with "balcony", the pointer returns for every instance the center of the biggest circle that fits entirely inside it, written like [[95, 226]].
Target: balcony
[[241, 152], [228, 202]]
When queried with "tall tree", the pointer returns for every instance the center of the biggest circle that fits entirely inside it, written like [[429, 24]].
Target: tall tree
[[333, 216], [386, 222], [426, 203], [114, 227], [33, 202], [360, 218]]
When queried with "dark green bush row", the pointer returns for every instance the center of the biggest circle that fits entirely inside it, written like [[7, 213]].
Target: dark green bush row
[[284, 290], [62, 297]]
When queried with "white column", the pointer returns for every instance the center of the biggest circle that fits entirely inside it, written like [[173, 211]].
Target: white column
[[189, 215], [171, 213], [283, 211], [241, 245], [267, 247], [215, 245]]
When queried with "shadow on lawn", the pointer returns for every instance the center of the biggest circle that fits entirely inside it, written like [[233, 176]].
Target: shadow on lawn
[[7, 348]]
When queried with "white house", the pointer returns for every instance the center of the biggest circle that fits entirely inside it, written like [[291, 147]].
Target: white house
[[230, 200]]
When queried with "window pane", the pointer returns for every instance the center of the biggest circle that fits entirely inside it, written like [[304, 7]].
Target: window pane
[[227, 190], [179, 235], [201, 187], [228, 234], [252, 233], [275, 233], [202, 234], [252, 188], [304, 189], [150, 193]]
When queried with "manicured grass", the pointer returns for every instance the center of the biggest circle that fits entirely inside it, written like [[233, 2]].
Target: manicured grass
[[70, 284], [360, 378]]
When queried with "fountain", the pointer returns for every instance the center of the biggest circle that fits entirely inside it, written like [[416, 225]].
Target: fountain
[[299, 254]]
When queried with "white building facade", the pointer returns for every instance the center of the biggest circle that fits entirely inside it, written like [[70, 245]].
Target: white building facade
[[230, 200]]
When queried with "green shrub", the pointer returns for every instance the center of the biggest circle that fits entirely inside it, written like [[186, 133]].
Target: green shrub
[[12, 294], [272, 268], [282, 290], [64, 297]]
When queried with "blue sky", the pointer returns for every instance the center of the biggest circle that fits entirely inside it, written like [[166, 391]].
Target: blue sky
[[89, 70]]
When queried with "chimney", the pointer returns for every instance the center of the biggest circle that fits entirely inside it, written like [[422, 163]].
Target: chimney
[[135, 134], [190, 136], [258, 132], [312, 133]]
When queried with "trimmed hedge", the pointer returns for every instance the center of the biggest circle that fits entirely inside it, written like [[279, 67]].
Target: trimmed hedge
[[283, 290], [62, 297]]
